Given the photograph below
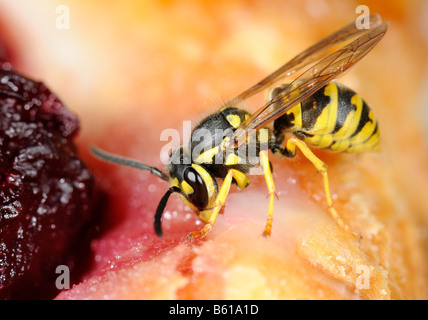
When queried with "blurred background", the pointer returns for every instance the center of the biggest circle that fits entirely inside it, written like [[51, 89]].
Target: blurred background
[[139, 56], [424, 97]]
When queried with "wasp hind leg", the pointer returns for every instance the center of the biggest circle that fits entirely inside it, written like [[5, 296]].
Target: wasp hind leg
[[290, 151], [210, 217]]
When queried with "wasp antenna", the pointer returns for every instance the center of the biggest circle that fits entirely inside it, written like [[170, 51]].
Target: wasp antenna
[[160, 209], [127, 162]]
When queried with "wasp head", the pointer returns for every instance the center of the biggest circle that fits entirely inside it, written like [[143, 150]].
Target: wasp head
[[196, 186]]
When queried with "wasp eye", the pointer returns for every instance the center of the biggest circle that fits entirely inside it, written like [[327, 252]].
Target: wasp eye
[[198, 193]]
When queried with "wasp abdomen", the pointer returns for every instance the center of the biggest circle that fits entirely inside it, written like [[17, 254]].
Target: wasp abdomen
[[334, 118]]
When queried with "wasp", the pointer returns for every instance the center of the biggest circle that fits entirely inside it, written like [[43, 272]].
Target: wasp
[[310, 111]]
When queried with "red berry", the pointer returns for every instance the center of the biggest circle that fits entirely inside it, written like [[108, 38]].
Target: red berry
[[45, 189]]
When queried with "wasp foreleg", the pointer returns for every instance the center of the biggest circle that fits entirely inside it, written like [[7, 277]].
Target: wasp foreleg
[[220, 200]]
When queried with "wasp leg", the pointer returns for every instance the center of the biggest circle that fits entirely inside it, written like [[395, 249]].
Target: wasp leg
[[220, 200], [264, 162], [291, 145]]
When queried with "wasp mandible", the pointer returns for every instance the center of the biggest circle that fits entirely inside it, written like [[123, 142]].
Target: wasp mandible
[[317, 112]]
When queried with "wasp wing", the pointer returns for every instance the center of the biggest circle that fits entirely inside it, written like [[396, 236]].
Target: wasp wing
[[310, 55], [312, 79]]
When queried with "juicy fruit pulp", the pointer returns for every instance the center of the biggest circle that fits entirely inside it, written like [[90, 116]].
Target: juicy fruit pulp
[[45, 192]]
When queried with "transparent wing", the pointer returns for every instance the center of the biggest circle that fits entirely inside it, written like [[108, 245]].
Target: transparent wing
[[314, 78], [308, 56]]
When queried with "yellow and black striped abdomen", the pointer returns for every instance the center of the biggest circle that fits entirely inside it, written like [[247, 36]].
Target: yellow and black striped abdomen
[[334, 118]]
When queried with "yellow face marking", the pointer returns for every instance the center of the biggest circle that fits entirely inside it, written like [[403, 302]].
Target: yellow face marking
[[186, 187], [174, 182], [208, 182], [212, 193], [234, 120], [207, 155], [326, 121]]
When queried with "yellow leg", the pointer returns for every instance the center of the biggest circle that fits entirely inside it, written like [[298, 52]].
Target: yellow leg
[[221, 199], [264, 162], [292, 143]]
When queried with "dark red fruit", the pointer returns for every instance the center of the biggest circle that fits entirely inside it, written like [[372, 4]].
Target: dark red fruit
[[45, 191]]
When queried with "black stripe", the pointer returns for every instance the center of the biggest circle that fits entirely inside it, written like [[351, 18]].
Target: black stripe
[[375, 131], [363, 120], [344, 106], [311, 114]]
